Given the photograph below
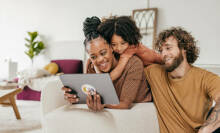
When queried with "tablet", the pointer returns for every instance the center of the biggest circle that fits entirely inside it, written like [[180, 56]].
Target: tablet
[[82, 84]]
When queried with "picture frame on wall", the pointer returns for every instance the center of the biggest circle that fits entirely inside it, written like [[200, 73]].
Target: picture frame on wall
[[146, 21]]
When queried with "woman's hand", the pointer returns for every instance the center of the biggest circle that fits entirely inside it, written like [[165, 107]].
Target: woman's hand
[[72, 98], [94, 102]]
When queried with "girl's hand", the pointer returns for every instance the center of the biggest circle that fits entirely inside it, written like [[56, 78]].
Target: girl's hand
[[129, 52]]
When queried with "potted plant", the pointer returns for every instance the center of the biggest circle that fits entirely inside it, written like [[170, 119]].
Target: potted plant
[[34, 47]]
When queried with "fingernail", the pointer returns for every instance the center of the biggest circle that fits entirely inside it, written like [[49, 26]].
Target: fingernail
[[74, 96]]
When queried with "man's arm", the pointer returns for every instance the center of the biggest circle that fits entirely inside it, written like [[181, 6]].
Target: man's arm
[[213, 121]]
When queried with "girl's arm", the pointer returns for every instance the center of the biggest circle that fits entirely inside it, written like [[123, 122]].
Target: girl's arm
[[148, 56], [117, 71]]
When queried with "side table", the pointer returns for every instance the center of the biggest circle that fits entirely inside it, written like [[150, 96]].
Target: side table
[[8, 92]]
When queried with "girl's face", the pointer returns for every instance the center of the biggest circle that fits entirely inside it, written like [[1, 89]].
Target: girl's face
[[118, 44], [100, 54]]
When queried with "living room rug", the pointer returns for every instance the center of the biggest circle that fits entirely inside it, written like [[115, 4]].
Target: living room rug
[[30, 118]]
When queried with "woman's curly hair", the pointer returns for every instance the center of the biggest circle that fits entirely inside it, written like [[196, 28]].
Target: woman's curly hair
[[185, 41], [123, 26]]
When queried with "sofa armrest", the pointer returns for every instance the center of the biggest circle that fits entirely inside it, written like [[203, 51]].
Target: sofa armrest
[[52, 96]]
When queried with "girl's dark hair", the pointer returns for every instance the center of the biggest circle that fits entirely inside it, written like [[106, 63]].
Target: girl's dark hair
[[185, 41], [90, 26], [122, 26]]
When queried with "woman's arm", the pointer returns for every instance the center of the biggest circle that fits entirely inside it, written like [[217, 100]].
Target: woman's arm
[[121, 105], [94, 103]]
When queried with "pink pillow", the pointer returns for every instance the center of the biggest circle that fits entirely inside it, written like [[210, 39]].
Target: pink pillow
[[69, 66]]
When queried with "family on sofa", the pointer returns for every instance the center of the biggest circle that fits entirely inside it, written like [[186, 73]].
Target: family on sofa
[[182, 93]]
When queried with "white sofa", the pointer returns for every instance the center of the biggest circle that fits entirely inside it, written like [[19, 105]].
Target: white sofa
[[58, 116]]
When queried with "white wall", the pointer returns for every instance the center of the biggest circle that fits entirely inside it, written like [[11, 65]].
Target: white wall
[[61, 20], [200, 17], [55, 20]]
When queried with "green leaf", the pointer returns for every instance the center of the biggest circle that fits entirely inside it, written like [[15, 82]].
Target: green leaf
[[29, 55], [32, 35], [34, 44], [27, 40], [26, 53], [41, 45], [37, 51], [34, 47], [31, 51], [27, 45]]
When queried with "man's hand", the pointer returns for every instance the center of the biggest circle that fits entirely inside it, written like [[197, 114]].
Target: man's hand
[[72, 98], [94, 102]]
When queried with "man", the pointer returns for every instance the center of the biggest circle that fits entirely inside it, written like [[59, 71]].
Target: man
[[183, 94]]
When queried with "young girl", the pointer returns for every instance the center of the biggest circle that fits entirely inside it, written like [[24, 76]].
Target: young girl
[[124, 37]]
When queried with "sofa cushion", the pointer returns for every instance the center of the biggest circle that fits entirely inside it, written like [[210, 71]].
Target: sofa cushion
[[69, 66], [141, 118]]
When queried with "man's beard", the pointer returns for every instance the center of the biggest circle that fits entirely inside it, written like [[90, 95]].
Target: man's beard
[[177, 61]]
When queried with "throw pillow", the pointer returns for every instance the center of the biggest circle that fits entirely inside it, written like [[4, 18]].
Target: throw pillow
[[52, 68]]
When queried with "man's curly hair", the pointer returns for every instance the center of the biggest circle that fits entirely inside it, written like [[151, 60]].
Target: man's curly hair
[[185, 41]]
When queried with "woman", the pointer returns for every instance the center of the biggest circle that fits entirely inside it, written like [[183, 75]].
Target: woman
[[130, 87], [124, 37]]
